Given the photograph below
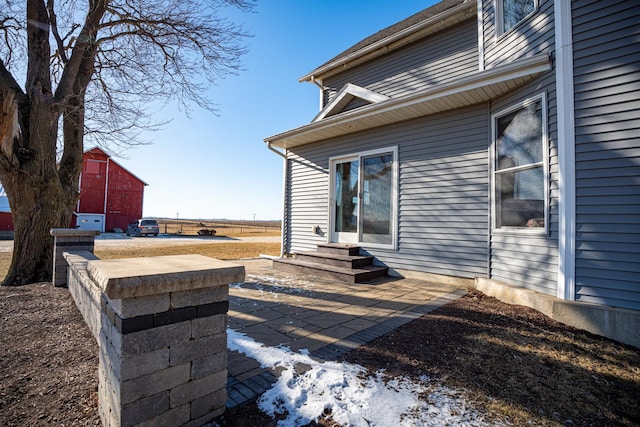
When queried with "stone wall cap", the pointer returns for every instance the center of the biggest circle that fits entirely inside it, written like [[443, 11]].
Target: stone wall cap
[[72, 232], [134, 277], [79, 256]]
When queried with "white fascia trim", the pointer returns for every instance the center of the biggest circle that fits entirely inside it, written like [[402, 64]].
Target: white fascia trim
[[566, 152], [521, 68], [385, 42], [480, 36], [346, 94]]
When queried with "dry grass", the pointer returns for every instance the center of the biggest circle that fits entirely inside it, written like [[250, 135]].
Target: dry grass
[[5, 262], [225, 251]]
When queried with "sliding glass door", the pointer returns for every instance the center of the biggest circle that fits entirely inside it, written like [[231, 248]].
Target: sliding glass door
[[377, 202], [346, 200], [363, 198]]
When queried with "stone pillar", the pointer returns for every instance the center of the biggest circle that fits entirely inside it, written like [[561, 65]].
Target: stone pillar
[[163, 341], [69, 239]]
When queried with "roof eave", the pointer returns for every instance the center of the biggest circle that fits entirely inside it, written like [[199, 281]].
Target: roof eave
[[468, 90], [401, 38]]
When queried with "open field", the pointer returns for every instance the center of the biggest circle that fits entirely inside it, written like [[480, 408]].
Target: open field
[[224, 251], [236, 244], [190, 227]]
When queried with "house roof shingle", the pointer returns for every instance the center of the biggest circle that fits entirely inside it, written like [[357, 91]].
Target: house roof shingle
[[430, 12]]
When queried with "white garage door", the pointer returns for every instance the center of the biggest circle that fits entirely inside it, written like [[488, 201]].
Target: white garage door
[[90, 222]]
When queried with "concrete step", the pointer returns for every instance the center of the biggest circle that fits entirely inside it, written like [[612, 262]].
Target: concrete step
[[337, 260], [324, 271], [339, 249]]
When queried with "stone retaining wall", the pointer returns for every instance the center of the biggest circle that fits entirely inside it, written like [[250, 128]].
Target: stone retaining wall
[[86, 295], [160, 323], [69, 239]]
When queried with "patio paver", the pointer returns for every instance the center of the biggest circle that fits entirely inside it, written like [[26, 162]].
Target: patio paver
[[327, 318]]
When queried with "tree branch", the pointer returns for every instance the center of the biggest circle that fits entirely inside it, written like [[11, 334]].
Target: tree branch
[[38, 75], [54, 29], [183, 47], [84, 43], [11, 30]]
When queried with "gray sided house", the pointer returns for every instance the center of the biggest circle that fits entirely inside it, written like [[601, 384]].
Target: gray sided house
[[495, 141]]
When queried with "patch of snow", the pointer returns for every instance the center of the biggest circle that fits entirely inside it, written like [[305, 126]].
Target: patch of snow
[[274, 286], [307, 387], [292, 283]]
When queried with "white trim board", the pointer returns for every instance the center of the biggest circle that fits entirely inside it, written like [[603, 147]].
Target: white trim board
[[467, 90], [345, 96], [566, 152]]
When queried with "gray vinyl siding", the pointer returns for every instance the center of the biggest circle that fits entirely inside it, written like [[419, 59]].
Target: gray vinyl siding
[[443, 201], [308, 199], [443, 191], [352, 105], [425, 63], [533, 35], [525, 260], [606, 41]]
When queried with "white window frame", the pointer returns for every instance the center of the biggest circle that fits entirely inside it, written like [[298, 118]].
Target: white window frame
[[499, 16], [394, 196], [545, 168]]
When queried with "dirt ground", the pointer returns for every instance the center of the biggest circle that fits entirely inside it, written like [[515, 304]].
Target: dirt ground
[[513, 363], [48, 359]]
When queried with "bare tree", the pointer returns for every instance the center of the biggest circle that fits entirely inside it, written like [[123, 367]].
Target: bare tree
[[90, 71]]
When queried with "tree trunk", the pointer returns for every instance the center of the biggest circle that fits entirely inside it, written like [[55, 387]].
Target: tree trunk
[[42, 196], [38, 211], [40, 200], [36, 195]]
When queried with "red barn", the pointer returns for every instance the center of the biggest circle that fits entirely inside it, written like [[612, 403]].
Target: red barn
[[110, 196], [6, 221]]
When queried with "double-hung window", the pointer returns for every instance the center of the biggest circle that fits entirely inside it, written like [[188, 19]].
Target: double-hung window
[[510, 12], [520, 168]]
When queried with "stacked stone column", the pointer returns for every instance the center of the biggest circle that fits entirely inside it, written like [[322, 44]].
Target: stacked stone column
[[163, 342], [161, 324], [66, 240]]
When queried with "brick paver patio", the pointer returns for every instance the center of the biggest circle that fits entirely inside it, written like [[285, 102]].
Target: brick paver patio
[[326, 318]]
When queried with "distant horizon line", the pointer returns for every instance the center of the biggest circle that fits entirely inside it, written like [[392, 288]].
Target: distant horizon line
[[211, 219]]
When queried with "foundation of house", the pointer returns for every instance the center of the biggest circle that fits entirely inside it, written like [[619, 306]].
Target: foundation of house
[[616, 323]]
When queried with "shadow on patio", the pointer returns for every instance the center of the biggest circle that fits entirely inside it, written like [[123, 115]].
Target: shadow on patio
[[326, 318]]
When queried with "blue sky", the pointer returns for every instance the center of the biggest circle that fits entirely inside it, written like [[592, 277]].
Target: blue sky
[[210, 166]]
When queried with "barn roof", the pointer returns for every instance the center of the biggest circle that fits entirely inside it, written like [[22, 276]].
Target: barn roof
[[433, 19]]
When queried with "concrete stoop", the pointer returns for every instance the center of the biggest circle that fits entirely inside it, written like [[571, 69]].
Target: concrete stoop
[[334, 262], [616, 323]]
